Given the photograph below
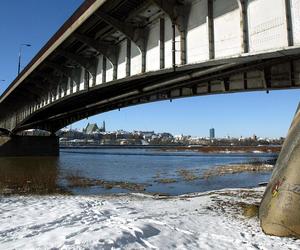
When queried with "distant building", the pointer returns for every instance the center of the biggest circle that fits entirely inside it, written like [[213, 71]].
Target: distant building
[[93, 128], [212, 133], [103, 129]]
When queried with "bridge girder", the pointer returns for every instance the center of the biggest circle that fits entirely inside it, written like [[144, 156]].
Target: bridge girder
[[62, 70], [174, 9], [82, 61], [104, 48], [36, 93], [136, 34]]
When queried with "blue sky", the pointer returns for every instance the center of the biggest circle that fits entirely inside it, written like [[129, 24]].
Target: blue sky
[[244, 114]]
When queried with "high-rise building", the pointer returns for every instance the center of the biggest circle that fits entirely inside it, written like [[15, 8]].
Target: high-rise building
[[103, 129], [212, 133]]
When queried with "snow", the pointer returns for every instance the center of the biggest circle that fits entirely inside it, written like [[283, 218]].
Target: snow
[[135, 221]]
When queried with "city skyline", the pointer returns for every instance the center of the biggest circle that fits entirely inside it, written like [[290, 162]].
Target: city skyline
[[267, 115], [208, 135]]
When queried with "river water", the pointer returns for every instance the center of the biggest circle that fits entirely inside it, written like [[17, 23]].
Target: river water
[[143, 166]]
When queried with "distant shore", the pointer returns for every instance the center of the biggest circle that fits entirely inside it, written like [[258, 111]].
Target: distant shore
[[194, 148]]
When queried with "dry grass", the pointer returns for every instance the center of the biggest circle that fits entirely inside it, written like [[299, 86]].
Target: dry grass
[[187, 175], [236, 169], [250, 210], [75, 181], [166, 180]]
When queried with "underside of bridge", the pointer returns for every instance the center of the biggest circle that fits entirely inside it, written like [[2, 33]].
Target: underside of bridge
[[118, 53], [114, 54]]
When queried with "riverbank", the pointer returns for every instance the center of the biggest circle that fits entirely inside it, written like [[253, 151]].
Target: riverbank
[[212, 220], [192, 148]]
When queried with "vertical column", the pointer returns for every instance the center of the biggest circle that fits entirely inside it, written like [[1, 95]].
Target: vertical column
[[289, 26], [104, 69], [115, 71], [54, 93], [244, 26], [128, 57], [162, 42], [86, 80], [245, 79], [173, 45], [94, 71], [210, 24], [182, 32], [71, 83], [59, 90], [144, 59], [78, 78]]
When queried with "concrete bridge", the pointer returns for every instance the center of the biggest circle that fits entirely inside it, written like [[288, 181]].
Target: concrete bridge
[[114, 54]]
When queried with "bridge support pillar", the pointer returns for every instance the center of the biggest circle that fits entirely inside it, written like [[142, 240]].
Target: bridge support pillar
[[29, 146], [279, 211]]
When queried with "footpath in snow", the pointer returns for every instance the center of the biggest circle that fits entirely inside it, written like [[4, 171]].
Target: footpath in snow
[[211, 220]]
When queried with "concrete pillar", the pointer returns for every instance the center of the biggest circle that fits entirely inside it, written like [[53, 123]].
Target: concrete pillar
[[29, 146], [162, 42], [279, 211], [210, 28], [103, 69], [128, 57]]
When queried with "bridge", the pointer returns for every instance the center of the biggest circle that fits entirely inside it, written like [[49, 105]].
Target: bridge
[[115, 54]]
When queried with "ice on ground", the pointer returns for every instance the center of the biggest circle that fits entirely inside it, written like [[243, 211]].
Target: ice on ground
[[200, 221]]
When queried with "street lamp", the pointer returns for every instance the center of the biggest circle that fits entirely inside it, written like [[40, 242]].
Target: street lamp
[[20, 55]]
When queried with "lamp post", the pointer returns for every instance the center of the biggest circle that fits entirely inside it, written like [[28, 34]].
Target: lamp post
[[20, 55]]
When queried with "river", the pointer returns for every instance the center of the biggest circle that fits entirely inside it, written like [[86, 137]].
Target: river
[[148, 167]]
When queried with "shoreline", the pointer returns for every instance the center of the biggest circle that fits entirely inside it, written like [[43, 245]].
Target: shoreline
[[200, 149]]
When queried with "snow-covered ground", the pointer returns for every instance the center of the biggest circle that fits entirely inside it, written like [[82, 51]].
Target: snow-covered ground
[[200, 221]]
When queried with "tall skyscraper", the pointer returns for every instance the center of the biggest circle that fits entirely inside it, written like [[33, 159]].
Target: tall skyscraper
[[212, 133]]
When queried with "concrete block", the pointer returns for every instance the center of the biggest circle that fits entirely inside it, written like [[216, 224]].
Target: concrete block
[[29, 146]]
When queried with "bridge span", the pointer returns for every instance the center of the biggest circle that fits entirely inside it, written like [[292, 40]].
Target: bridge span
[[113, 54], [118, 53]]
